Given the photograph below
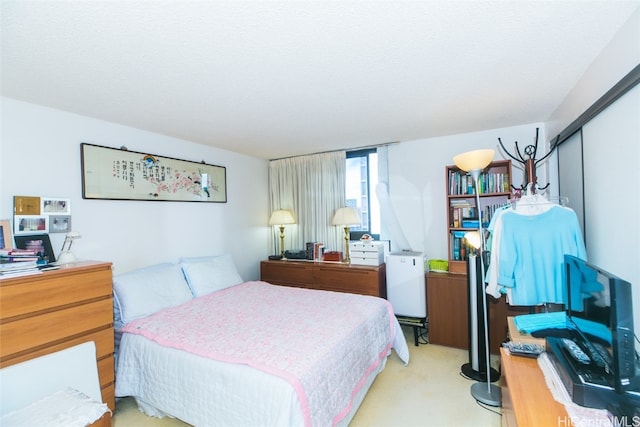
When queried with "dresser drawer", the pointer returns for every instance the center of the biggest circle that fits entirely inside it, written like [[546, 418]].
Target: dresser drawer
[[46, 329], [363, 260], [109, 396], [366, 253], [45, 292], [106, 371], [102, 338], [343, 276], [287, 272]]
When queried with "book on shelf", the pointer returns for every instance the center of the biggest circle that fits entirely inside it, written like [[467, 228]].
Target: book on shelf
[[488, 182], [456, 248], [460, 203], [456, 214], [309, 248]]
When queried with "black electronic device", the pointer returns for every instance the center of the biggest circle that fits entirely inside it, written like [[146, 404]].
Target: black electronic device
[[598, 363], [295, 254], [600, 309], [40, 243], [532, 350]]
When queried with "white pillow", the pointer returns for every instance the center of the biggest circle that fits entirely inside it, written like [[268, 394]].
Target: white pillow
[[144, 291], [209, 274]]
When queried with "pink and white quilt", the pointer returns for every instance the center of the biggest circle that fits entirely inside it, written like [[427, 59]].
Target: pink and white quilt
[[324, 344]]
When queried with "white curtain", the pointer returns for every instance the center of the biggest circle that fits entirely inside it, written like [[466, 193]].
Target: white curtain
[[313, 187], [389, 224]]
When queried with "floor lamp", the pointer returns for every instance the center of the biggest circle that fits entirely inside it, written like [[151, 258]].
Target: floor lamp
[[476, 368], [473, 162]]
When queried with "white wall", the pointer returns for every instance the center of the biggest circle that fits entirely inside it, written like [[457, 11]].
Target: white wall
[[417, 179], [40, 156], [620, 56]]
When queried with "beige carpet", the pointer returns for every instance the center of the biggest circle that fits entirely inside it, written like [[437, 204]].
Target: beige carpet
[[427, 392]]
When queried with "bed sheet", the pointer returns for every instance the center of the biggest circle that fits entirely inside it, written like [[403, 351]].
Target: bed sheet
[[202, 391]]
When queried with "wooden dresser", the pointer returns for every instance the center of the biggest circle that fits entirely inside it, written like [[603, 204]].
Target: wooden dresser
[[356, 279], [526, 398], [48, 312]]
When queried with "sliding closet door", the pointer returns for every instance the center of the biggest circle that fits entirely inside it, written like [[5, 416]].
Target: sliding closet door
[[611, 152], [611, 142], [570, 175]]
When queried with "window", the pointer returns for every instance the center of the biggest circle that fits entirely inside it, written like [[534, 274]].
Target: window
[[361, 181]]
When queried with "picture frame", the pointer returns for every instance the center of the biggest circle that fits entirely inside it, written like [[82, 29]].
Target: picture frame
[[6, 235], [55, 206], [40, 242], [26, 205], [119, 174], [30, 224], [59, 223]]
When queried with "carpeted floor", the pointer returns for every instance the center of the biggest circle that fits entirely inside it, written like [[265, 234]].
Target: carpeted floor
[[428, 392]]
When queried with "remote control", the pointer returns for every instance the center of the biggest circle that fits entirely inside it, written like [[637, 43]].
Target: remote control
[[524, 349], [575, 351]]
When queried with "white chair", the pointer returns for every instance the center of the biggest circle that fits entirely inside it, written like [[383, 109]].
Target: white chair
[[25, 388]]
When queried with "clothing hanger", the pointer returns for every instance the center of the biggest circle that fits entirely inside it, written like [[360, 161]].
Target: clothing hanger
[[532, 203]]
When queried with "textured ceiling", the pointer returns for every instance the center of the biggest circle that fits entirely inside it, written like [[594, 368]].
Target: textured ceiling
[[280, 78]]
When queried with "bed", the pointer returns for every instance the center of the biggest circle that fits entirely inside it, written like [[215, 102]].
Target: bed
[[197, 343]]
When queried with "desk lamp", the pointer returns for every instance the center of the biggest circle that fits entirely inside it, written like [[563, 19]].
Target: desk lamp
[[473, 162], [66, 256], [281, 217], [346, 217]]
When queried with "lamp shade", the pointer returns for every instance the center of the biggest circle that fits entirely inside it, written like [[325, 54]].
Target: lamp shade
[[346, 216], [473, 239], [474, 160], [281, 216]]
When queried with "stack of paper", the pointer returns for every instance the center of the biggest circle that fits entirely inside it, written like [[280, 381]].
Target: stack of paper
[[18, 262]]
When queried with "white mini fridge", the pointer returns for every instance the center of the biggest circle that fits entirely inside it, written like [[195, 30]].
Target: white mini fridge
[[405, 284]]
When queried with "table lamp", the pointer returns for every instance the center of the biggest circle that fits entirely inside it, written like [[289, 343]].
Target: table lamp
[[281, 217], [66, 256], [346, 217]]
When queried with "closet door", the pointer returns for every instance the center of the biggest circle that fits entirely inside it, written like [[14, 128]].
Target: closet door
[[611, 154], [571, 174], [611, 158]]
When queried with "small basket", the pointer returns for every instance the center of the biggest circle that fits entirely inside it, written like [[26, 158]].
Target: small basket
[[439, 265]]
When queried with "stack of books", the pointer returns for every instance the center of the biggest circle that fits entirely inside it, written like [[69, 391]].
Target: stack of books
[[18, 262]]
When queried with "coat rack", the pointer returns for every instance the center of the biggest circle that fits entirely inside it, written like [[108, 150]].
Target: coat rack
[[530, 163]]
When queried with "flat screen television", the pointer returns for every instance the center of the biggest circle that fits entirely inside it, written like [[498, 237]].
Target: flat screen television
[[600, 310]]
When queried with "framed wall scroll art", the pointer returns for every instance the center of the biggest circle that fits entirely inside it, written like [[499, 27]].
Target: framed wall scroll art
[[120, 174]]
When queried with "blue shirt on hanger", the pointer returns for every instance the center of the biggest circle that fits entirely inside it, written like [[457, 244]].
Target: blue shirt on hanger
[[532, 249]]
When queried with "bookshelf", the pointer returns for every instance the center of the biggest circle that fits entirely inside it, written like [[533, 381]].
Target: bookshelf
[[462, 215]]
